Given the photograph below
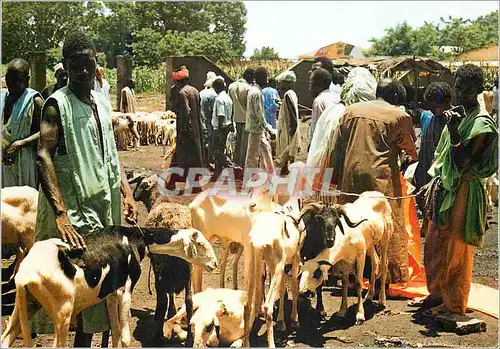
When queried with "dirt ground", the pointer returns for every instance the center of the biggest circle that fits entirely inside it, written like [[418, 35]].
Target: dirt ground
[[397, 320]]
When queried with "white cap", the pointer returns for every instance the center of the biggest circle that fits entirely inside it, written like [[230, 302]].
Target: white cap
[[210, 79], [58, 66]]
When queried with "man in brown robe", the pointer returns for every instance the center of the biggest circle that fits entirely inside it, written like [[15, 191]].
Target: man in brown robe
[[186, 105], [367, 145]]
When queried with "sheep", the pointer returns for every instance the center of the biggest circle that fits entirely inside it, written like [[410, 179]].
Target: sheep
[[275, 239], [217, 317], [165, 133], [228, 219], [70, 281], [19, 206], [172, 274], [373, 213]]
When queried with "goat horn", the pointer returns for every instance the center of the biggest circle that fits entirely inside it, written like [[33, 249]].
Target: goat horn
[[136, 179], [310, 207], [341, 210]]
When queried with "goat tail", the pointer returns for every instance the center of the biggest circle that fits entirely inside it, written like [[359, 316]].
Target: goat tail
[[22, 305], [149, 278]]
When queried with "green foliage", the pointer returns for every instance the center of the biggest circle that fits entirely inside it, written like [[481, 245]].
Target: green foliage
[[265, 53], [147, 79], [54, 56], [274, 67], [427, 40], [215, 29], [146, 49]]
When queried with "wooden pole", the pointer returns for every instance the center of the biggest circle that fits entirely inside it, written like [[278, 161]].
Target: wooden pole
[[123, 75], [169, 67], [37, 70]]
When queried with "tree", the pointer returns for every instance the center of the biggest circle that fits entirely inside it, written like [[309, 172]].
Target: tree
[[37, 26], [145, 48], [265, 53], [397, 41], [461, 34]]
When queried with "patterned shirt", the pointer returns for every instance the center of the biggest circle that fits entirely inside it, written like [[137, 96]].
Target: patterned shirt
[[255, 121]]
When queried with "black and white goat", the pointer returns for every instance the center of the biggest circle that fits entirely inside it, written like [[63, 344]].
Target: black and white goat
[[65, 282], [320, 220], [374, 216]]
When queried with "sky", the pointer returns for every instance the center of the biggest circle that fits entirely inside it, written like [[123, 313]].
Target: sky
[[297, 27]]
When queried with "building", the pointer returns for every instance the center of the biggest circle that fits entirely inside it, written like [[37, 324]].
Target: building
[[485, 54], [338, 50]]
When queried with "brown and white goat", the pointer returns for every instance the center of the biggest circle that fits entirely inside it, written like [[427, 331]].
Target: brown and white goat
[[351, 246], [19, 206], [65, 282]]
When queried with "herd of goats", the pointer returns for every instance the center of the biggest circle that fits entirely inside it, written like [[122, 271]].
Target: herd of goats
[[297, 239]]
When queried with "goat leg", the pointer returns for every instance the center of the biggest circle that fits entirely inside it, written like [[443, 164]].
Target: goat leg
[[162, 302], [19, 258], [320, 308], [189, 314], [236, 261], [360, 265]]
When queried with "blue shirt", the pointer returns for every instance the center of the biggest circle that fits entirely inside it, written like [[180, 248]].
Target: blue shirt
[[270, 106], [432, 127]]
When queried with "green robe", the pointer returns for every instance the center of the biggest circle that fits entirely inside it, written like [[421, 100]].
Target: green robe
[[477, 122], [89, 180], [23, 171]]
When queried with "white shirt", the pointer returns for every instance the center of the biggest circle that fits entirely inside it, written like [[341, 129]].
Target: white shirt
[[324, 100], [223, 107], [104, 89], [336, 90]]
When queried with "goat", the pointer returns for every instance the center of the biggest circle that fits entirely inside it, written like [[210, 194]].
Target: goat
[[275, 239], [375, 226], [68, 282], [491, 187], [228, 219], [19, 206], [172, 274], [217, 317]]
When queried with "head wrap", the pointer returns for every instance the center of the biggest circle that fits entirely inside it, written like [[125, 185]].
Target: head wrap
[[359, 86], [210, 79], [181, 73], [58, 66], [288, 76]]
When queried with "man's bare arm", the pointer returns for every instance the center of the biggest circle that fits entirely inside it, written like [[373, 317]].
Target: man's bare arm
[[47, 145]]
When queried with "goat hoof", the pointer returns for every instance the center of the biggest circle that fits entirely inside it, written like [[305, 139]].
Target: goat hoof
[[360, 318], [382, 304]]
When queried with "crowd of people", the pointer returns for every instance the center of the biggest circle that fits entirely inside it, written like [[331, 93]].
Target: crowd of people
[[61, 142]]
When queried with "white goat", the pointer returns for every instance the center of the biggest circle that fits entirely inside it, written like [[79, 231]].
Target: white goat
[[19, 205], [275, 239], [375, 213], [228, 219], [65, 284], [217, 317]]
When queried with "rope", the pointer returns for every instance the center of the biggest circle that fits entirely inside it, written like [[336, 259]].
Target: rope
[[338, 193]]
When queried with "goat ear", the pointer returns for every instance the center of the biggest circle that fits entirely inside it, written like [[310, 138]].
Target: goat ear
[[191, 251]]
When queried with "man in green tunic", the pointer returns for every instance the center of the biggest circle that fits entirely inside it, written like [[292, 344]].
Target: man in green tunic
[[21, 109], [79, 168]]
